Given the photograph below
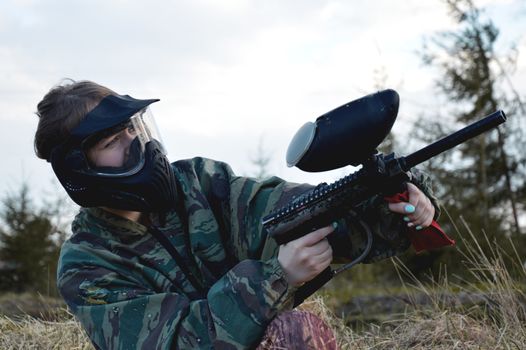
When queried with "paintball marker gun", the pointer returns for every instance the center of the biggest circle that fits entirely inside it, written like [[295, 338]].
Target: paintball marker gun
[[349, 135]]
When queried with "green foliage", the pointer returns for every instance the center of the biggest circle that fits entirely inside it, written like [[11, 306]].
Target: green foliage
[[483, 180], [29, 245]]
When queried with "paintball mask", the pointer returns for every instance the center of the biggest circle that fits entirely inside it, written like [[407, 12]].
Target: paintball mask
[[141, 180]]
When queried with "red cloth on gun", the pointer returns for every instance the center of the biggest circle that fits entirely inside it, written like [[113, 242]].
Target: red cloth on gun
[[431, 237]]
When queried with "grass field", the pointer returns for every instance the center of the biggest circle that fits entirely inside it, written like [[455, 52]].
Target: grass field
[[489, 313]]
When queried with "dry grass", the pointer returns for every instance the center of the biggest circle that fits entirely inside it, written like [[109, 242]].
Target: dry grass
[[14, 305], [498, 322], [436, 331], [32, 333], [417, 330]]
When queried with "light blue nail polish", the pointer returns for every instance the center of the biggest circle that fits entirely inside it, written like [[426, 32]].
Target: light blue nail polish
[[335, 225], [406, 219], [418, 228], [409, 208]]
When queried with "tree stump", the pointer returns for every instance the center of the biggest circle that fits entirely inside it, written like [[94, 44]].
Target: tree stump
[[299, 330]]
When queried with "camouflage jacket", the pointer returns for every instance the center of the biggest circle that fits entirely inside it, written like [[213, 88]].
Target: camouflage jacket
[[203, 275]]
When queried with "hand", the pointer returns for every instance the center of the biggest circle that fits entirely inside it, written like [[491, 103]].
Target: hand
[[418, 212], [304, 258]]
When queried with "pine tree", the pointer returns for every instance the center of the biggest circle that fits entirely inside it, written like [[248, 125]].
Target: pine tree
[[487, 179], [27, 248], [483, 180], [261, 161]]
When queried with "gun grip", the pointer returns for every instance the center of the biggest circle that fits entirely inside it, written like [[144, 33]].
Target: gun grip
[[312, 286], [395, 188]]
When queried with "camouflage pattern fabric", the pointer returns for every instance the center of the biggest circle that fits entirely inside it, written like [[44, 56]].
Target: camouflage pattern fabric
[[217, 285]]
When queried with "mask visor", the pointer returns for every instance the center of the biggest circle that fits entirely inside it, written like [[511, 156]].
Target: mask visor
[[146, 128], [125, 141]]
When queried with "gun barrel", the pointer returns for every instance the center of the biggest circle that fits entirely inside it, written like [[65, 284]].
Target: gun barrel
[[489, 122]]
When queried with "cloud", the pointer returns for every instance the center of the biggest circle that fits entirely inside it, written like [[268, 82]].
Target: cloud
[[226, 71]]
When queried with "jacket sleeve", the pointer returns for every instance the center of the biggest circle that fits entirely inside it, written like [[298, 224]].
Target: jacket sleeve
[[119, 310]]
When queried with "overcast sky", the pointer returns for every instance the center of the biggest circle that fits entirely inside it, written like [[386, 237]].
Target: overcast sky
[[229, 73]]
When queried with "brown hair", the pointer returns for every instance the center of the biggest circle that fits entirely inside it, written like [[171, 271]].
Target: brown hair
[[61, 109]]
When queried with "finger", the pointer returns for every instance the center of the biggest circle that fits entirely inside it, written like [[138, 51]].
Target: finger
[[412, 215], [326, 255], [402, 207], [427, 221], [425, 218], [419, 199], [322, 260], [420, 213], [415, 219], [423, 209], [315, 236], [409, 206], [412, 190], [318, 248], [416, 197]]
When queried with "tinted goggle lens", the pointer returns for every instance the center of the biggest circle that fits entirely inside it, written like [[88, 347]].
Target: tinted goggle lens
[[141, 125]]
